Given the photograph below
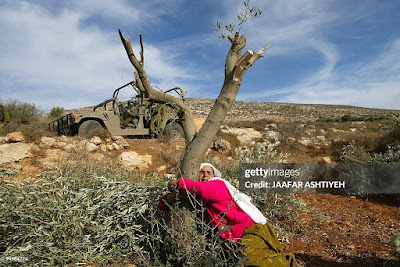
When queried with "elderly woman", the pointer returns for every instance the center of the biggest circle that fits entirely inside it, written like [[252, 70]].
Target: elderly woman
[[227, 206]]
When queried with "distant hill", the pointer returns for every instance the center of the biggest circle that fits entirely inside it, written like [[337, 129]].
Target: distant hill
[[256, 110], [246, 110]]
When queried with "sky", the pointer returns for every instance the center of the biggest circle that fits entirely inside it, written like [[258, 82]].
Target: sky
[[68, 53]]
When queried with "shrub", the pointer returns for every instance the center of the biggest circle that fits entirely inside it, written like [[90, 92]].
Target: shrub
[[351, 118], [84, 214], [80, 217], [22, 112], [231, 138], [259, 154], [56, 112], [26, 118], [355, 152]]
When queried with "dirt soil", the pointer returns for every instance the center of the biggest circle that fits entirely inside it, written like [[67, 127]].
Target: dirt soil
[[336, 230], [331, 230]]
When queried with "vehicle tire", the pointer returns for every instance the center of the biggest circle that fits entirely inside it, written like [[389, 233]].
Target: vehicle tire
[[88, 127], [174, 131]]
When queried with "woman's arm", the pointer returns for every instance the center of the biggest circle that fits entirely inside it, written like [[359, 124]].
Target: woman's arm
[[213, 191], [172, 196]]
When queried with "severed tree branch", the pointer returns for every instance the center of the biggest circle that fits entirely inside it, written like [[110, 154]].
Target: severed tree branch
[[141, 51], [197, 145], [235, 67], [143, 83]]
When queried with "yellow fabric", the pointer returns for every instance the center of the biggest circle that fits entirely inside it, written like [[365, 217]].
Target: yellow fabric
[[264, 248]]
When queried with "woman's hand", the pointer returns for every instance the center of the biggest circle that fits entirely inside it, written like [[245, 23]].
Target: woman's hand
[[173, 184]]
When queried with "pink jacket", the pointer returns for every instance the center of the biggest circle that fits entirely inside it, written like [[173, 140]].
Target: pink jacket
[[222, 209]]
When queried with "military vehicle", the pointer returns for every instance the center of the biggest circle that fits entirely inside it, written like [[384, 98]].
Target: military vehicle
[[152, 119]]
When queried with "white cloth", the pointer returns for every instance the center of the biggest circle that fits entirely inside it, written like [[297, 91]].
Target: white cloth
[[241, 199]]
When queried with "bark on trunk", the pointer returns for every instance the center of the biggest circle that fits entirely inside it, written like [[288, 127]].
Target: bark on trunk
[[235, 67], [143, 83], [197, 145]]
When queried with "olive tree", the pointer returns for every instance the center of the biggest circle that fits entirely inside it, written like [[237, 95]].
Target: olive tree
[[236, 65]]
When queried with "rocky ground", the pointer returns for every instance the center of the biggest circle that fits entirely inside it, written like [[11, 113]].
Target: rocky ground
[[328, 230], [243, 110]]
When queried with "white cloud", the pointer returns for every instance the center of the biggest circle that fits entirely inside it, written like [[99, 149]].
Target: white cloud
[[373, 83], [70, 55], [57, 62], [297, 26]]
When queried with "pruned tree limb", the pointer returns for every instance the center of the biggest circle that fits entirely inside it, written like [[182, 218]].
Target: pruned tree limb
[[197, 145], [143, 83], [141, 51], [235, 67]]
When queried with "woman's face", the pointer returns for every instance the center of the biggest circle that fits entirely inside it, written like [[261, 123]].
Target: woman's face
[[206, 173]]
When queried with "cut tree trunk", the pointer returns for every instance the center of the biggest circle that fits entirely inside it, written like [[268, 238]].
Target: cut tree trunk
[[235, 67], [197, 145]]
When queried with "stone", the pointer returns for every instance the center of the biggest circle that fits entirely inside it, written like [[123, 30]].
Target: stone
[[291, 140], [60, 144], [310, 131], [272, 136], [4, 139], [122, 143], [69, 147], [326, 160], [320, 138], [222, 146], [96, 140], [252, 143], [131, 159], [15, 137], [244, 135], [90, 146], [46, 142], [13, 152], [109, 147], [116, 137], [116, 146], [353, 130], [62, 138], [305, 141], [103, 147], [161, 168]]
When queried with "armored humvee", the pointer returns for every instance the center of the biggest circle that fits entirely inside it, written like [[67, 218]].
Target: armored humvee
[[152, 119]]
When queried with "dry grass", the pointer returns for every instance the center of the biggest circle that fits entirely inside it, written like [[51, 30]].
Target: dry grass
[[231, 138], [103, 133], [258, 125]]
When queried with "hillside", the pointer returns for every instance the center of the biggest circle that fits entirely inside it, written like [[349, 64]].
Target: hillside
[[320, 229], [244, 110]]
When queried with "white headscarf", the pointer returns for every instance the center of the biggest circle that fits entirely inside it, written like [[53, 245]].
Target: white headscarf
[[217, 173], [241, 199]]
